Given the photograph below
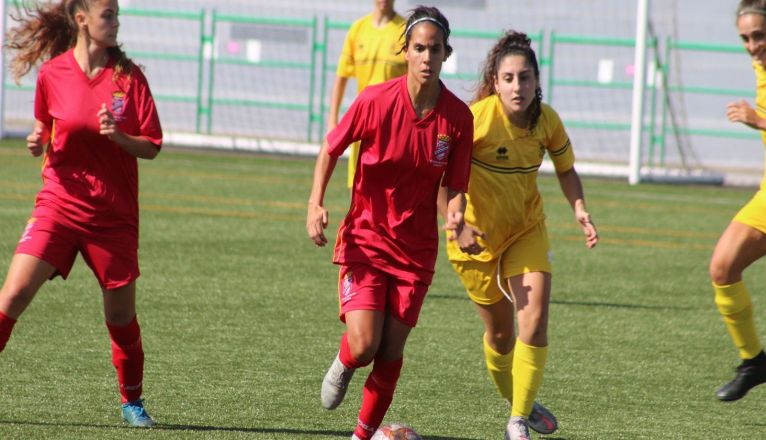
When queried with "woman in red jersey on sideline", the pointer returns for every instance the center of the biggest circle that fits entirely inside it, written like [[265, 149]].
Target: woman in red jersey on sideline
[[415, 137], [94, 115]]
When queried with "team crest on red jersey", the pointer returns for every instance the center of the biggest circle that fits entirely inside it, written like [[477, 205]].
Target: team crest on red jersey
[[441, 152], [118, 106]]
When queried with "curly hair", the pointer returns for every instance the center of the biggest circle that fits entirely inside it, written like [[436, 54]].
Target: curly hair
[[48, 30], [511, 43]]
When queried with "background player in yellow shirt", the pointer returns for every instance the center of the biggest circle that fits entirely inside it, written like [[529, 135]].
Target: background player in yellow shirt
[[513, 130], [371, 54], [744, 240]]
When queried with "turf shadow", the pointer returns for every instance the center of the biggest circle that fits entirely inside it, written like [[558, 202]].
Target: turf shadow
[[619, 305], [207, 428]]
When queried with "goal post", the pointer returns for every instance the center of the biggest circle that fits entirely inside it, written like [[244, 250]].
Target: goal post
[[639, 87]]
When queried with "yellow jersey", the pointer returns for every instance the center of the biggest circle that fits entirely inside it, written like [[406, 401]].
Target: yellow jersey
[[370, 54], [503, 199], [760, 104]]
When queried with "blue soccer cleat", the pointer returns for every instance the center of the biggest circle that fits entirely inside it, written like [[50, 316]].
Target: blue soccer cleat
[[135, 414]]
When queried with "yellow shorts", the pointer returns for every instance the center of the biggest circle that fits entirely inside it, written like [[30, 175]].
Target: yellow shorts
[[754, 213], [530, 252]]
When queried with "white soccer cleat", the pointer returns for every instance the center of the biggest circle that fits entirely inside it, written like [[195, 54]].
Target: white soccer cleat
[[542, 420], [335, 383], [517, 429]]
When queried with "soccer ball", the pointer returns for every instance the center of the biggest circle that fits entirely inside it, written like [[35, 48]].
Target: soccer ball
[[396, 431]]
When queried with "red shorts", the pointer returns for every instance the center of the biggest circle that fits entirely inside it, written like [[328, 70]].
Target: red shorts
[[110, 252], [362, 287]]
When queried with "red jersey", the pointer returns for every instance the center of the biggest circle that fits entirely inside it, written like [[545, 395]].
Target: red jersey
[[392, 224], [87, 178]]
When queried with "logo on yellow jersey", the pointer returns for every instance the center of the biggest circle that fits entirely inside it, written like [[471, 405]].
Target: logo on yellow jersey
[[441, 152], [502, 153]]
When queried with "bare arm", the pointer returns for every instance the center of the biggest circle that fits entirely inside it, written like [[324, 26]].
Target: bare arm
[[451, 206], [441, 202], [317, 216], [336, 98], [39, 138], [741, 111], [572, 188], [137, 146]]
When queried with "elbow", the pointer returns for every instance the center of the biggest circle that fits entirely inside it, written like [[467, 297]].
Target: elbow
[[151, 152], [568, 174]]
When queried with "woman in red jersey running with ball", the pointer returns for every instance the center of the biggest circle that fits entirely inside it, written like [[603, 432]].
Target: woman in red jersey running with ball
[[415, 137], [94, 115]]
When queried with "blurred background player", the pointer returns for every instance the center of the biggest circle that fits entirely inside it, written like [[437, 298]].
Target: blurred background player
[[94, 116], [371, 54], [415, 136], [513, 130], [744, 240]]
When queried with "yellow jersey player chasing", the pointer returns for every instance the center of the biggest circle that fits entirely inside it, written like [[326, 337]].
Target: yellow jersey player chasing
[[513, 130]]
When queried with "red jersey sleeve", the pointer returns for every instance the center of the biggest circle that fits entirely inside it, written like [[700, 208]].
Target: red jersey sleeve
[[148, 119], [459, 166], [42, 113], [358, 122]]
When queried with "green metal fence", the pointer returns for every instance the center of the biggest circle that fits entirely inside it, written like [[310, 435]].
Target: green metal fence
[[671, 46], [308, 66], [206, 97], [197, 61]]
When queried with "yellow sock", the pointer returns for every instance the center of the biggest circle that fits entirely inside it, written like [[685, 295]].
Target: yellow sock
[[528, 366], [500, 368], [734, 304]]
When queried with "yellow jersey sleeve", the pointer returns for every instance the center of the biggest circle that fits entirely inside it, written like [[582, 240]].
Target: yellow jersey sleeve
[[371, 55], [557, 140], [346, 59]]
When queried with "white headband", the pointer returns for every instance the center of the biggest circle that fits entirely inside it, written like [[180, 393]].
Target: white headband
[[745, 11], [432, 20]]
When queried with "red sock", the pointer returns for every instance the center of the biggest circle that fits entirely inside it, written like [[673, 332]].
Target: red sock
[[345, 354], [6, 327], [128, 359], [378, 394]]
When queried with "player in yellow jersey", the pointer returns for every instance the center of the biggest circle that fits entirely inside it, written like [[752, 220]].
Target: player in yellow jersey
[[513, 130], [371, 54], [744, 240]]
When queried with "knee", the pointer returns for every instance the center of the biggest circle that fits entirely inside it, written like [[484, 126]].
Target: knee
[[720, 271], [501, 340], [534, 328], [362, 348], [538, 331]]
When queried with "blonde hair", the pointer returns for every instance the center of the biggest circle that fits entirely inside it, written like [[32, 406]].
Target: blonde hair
[[48, 30]]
